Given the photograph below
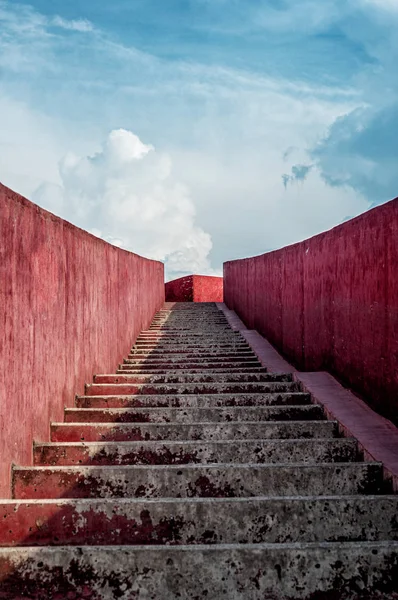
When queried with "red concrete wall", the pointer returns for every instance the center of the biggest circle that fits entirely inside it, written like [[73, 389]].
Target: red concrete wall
[[71, 305], [195, 288], [208, 289], [331, 303], [180, 290]]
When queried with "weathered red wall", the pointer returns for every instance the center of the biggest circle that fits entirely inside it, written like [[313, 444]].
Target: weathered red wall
[[207, 289], [195, 288], [331, 303], [180, 290], [71, 305]]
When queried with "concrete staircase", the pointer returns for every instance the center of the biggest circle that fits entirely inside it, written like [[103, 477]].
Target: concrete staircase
[[193, 473]]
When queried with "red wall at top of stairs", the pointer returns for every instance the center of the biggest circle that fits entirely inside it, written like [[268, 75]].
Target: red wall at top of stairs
[[195, 288]]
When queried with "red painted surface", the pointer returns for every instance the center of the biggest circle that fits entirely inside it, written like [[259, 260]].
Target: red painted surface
[[70, 305], [195, 288], [331, 303]]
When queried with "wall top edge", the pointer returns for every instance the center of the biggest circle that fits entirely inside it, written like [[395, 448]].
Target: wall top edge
[[6, 192], [373, 213]]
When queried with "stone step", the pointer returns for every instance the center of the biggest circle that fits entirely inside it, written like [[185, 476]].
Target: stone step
[[199, 401], [201, 317], [340, 570], [93, 432], [100, 389], [197, 352], [203, 481], [209, 343], [209, 329], [190, 336], [186, 347], [191, 324], [200, 369], [180, 357], [311, 412], [170, 362], [198, 520], [168, 452], [206, 377]]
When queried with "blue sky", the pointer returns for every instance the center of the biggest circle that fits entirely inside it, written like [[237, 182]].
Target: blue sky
[[196, 131]]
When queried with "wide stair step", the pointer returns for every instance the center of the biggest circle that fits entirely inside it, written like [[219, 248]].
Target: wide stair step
[[180, 521], [194, 415], [91, 432], [165, 452], [204, 481], [194, 400]]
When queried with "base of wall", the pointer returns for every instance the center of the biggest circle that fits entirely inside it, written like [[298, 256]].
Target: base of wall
[[377, 437]]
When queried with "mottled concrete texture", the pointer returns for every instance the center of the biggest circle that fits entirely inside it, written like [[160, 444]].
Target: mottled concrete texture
[[195, 288], [70, 305], [304, 571], [330, 303]]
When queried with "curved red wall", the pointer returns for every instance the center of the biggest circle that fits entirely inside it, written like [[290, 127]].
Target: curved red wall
[[331, 303], [195, 288], [71, 305]]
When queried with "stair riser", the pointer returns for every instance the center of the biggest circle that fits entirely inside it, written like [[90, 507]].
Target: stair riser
[[194, 378], [188, 481], [193, 327], [178, 361], [237, 572], [196, 345], [182, 336], [199, 401], [192, 353], [198, 522], [196, 366], [230, 572], [99, 389], [201, 341], [195, 415], [113, 432], [214, 344], [129, 369], [163, 453]]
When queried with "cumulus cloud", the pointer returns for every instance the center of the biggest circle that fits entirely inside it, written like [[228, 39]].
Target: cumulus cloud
[[126, 193]]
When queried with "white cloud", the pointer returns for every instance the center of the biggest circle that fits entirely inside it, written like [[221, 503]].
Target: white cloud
[[82, 25], [226, 131], [126, 193]]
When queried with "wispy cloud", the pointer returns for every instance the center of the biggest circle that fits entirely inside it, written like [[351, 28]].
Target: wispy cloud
[[298, 173], [81, 25], [385, 5]]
